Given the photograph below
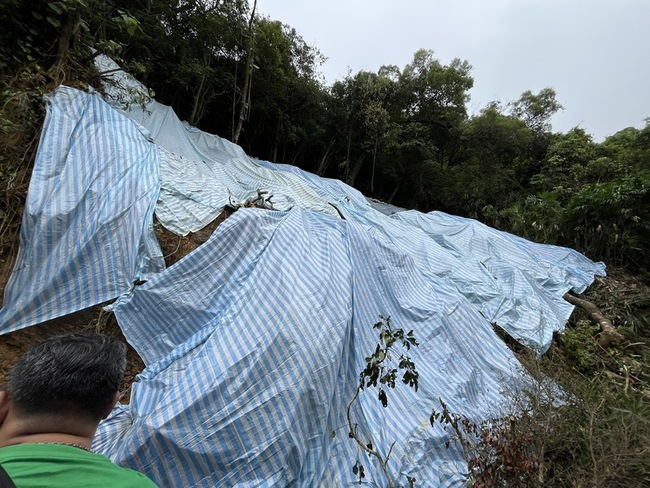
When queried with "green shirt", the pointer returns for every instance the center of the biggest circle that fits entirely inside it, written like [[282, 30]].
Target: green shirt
[[58, 466]]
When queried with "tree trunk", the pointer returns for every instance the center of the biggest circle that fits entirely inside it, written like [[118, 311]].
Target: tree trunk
[[70, 29], [324, 161], [248, 74], [354, 171], [234, 103], [346, 170], [199, 98], [399, 182], [276, 143], [374, 163], [609, 335]]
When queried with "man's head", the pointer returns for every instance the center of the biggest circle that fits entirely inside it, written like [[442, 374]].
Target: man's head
[[69, 375]]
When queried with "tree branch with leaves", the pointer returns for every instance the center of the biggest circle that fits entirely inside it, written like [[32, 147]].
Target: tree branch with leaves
[[381, 372]]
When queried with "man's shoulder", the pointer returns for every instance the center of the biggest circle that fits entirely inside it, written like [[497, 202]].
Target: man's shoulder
[[133, 478], [62, 465]]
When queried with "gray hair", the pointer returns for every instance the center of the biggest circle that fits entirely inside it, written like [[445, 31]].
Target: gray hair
[[72, 374]]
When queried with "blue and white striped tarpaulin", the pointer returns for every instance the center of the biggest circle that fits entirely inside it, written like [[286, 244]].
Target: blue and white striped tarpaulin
[[530, 278], [254, 342], [87, 228], [515, 283], [523, 296], [201, 173]]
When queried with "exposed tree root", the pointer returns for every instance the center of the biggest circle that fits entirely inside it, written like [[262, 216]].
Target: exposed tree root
[[609, 335]]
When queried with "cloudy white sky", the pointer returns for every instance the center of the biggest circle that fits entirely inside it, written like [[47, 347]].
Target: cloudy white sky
[[594, 53]]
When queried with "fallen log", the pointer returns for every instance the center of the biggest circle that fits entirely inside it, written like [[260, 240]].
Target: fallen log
[[608, 335]]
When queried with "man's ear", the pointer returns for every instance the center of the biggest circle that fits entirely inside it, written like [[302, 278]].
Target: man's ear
[[5, 405], [108, 411]]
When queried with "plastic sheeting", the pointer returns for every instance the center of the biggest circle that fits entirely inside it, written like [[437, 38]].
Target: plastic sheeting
[[515, 283], [87, 232], [523, 296], [201, 173], [530, 278], [254, 342]]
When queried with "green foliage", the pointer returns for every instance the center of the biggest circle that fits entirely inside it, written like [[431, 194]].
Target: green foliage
[[32, 30], [580, 346], [612, 220], [434, 98], [538, 218], [377, 365], [381, 370], [624, 299], [536, 110], [21, 117], [591, 197], [582, 417], [499, 452], [596, 438], [285, 92], [57, 38], [564, 168], [565, 430], [495, 154]]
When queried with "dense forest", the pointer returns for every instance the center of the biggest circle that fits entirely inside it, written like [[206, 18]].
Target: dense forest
[[402, 135]]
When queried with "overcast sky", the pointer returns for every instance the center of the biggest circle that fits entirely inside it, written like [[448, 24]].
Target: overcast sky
[[594, 53]]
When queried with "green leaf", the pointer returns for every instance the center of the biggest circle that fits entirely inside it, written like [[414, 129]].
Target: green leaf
[[383, 398], [54, 6], [55, 22]]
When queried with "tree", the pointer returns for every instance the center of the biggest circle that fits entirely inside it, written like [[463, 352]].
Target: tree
[[427, 109], [434, 97], [361, 102], [248, 74], [494, 162], [564, 168], [287, 94], [536, 110], [186, 52]]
